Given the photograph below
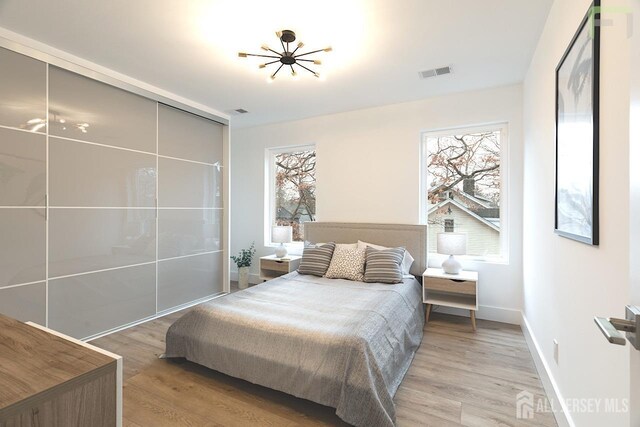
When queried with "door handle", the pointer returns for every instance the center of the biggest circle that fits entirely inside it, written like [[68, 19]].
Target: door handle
[[611, 327]]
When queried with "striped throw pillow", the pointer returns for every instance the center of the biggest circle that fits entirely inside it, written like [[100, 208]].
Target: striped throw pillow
[[384, 265], [316, 260]]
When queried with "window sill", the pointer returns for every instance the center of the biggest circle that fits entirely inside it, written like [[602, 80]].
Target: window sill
[[292, 248], [437, 259]]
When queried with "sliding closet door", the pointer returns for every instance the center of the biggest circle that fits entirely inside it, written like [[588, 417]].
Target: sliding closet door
[[22, 187], [190, 207], [111, 204], [102, 216]]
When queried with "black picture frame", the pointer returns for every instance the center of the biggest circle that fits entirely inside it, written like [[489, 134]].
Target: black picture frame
[[577, 134]]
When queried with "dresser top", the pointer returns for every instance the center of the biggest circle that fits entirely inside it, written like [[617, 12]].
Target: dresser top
[[33, 361], [463, 275]]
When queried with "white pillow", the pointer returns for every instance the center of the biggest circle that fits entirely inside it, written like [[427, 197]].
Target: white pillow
[[344, 245], [407, 261], [348, 262]]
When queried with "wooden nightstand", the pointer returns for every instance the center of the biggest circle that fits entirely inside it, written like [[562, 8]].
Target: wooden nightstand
[[271, 266], [450, 290]]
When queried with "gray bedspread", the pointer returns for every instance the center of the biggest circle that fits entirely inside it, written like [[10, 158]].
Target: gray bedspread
[[339, 343]]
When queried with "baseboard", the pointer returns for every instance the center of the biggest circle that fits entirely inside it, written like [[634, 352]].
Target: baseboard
[[486, 312], [562, 415]]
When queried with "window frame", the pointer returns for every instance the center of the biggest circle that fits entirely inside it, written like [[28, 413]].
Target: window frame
[[503, 127], [270, 192]]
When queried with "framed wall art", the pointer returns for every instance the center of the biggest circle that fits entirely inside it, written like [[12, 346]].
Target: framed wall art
[[577, 142]]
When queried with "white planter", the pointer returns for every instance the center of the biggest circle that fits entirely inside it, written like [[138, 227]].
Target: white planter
[[243, 277]]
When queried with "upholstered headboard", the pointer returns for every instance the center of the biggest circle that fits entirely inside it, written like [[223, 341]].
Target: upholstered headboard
[[412, 237]]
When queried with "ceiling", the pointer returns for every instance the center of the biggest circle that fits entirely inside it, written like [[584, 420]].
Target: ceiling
[[379, 46]]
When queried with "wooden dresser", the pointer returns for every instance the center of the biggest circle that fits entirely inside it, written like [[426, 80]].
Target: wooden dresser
[[48, 379]]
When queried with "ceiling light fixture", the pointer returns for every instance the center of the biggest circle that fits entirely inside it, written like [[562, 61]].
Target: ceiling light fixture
[[287, 58]]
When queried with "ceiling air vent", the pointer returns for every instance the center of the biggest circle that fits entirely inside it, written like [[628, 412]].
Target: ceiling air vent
[[236, 111], [434, 72]]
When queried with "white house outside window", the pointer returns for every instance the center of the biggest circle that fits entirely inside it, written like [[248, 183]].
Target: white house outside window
[[462, 175]]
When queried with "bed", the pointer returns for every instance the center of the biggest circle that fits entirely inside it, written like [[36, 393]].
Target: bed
[[336, 342]]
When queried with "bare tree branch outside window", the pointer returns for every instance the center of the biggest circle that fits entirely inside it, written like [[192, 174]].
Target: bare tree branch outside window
[[463, 187], [295, 190]]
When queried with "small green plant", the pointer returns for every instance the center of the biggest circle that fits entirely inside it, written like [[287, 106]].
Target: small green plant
[[243, 259]]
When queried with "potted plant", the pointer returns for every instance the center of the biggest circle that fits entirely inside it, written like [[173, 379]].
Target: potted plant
[[243, 261]]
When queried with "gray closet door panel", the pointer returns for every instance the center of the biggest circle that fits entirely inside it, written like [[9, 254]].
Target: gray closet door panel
[[23, 176], [186, 279], [25, 303], [188, 185], [88, 110], [22, 245], [83, 240], [187, 136], [23, 91], [88, 304], [188, 231], [122, 196], [91, 175]]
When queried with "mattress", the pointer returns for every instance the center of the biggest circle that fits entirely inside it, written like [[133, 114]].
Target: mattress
[[339, 343]]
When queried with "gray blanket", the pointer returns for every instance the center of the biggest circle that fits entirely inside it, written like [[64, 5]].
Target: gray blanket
[[339, 343]]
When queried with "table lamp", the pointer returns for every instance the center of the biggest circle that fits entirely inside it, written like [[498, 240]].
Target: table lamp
[[452, 244], [281, 234]]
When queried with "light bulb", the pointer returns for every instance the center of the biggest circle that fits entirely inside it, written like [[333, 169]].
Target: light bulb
[[242, 54], [262, 65], [317, 62], [264, 47], [328, 49]]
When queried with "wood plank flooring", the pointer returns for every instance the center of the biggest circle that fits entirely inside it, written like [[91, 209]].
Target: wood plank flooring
[[458, 378]]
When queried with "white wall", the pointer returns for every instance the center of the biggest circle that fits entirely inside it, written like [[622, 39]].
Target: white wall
[[566, 283], [634, 233], [368, 171]]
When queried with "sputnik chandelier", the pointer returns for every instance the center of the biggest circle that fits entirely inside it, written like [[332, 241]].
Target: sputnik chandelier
[[287, 57]]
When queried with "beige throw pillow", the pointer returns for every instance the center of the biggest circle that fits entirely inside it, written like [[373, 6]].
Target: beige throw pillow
[[347, 263]]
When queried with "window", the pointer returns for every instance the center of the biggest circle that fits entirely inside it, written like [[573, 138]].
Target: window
[[292, 189], [462, 172], [448, 226]]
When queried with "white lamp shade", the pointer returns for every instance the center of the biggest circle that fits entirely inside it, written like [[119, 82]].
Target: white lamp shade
[[281, 234], [452, 243]]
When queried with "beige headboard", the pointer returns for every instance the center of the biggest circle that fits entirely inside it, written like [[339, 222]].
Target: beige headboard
[[412, 237]]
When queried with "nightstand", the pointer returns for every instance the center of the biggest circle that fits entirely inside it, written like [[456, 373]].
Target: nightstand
[[271, 266], [450, 290]]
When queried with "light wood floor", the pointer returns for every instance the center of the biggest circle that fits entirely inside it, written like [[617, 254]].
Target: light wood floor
[[457, 378]]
